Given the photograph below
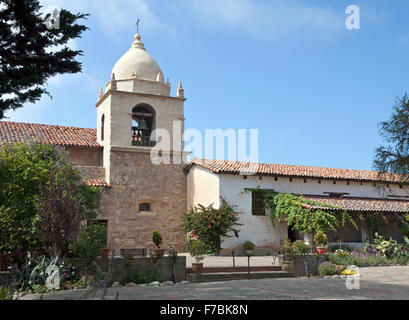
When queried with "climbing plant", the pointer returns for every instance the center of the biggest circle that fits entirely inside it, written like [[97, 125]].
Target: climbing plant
[[302, 213]]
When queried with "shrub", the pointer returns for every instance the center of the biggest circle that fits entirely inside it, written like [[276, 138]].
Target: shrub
[[25, 169], [357, 258], [287, 249], [389, 248], [6, 293], [320, 238], [300, 247], [196, 250], [157, 238], [341, 253], [328, 269], [335, 246], [248, 245], [141, 277], [90, 241], [210, 225]]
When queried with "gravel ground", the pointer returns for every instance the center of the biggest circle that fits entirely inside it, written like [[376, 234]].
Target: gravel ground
[[375, 283]]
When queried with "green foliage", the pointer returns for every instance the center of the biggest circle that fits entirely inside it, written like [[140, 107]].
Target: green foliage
[[287, 249], [406, 240], [31, 53], [196, 249], [157, 238], [38, 274], [24, 170], [358, 259], [404, 228], [301, 214], [300, 247], [248, 245], [210, 225], [6, 293], [328, 269], [389, 248], [32, 274], [141, 277], [320, 238], [90, 241], [394, 157]]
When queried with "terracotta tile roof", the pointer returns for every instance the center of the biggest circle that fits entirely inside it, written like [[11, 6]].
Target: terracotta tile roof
[[360, 204], [98, 183], [236, 167], [12, 132]]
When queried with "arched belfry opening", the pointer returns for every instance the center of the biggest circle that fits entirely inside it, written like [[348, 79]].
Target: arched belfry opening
[[143, 123]]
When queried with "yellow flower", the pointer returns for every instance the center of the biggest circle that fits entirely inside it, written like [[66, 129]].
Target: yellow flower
[[348, 272]]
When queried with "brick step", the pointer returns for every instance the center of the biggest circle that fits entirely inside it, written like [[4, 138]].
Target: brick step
[[236, 269], [213, 277]]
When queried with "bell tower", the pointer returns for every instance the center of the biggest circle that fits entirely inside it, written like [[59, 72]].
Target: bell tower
[[134, 106]]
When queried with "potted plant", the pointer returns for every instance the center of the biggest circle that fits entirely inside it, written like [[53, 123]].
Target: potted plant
[[300, 247], [196, 250], [321, 241], [249, 247], [158, 240], [287, 251]]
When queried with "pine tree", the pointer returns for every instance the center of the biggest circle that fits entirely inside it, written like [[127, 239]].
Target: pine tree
[[32, 51], [394, 157]]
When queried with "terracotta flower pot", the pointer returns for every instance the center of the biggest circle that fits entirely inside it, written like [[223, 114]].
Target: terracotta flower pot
[[104, 253], [287, 266], [197, 268], [321, 250]]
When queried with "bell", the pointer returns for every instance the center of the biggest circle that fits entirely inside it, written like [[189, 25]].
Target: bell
[[142, 125]]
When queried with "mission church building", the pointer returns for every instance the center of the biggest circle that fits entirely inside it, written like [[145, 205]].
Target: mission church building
[[139, 196]]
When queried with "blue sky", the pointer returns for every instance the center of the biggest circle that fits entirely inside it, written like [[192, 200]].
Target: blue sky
[[291, 69]]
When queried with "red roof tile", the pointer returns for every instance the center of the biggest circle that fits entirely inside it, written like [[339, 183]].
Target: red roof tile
[[236, 167], [13, 132], [98, 183], [360, 204]]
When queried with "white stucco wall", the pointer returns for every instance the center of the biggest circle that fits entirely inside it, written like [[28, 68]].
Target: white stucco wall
[[202, 188], [259, 229]]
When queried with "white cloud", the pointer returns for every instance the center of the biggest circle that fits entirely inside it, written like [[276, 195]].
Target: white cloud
[[269, 19], [114, 16], [32, 113]]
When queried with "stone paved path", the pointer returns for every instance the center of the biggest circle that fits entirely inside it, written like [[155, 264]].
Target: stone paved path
[[375, 283]]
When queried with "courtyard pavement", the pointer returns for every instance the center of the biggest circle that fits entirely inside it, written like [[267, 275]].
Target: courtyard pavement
[[375, 283]]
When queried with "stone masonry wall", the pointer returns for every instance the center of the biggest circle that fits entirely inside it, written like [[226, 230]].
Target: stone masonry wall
[[81, 156], [134, 179], [91, 172]]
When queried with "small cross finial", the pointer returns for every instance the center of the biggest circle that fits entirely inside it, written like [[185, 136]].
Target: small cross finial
[[137, 25]]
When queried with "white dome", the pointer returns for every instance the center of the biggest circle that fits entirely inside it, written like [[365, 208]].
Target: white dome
[[137, 63]]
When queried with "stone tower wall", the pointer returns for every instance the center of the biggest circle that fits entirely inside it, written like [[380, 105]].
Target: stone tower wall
[[134, 179]]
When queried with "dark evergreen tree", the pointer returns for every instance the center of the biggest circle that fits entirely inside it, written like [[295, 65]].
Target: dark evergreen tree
[[394, 157], [32, 50]]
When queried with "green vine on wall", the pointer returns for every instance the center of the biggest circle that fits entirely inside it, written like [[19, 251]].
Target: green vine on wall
[[301, 214]]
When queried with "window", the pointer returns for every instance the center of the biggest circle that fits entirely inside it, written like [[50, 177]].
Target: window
[[257, 204], [145, 206], [102, 127]]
